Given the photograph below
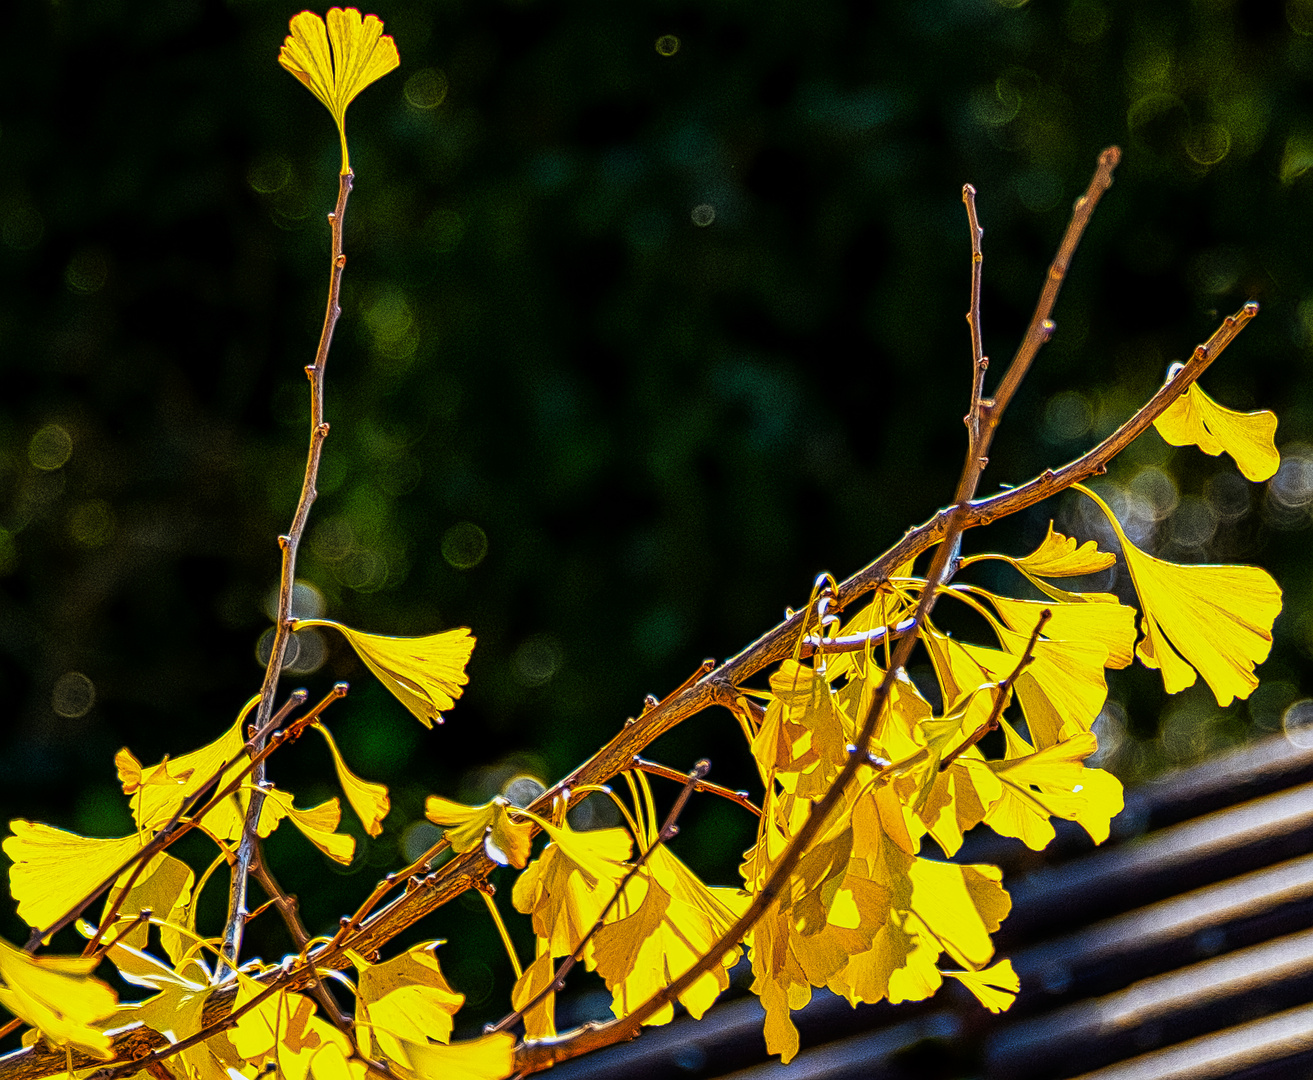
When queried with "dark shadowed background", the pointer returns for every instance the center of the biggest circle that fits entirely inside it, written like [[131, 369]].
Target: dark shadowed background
[[653, 311]]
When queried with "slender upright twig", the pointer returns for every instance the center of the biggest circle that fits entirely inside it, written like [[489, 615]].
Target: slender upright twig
[[250, 842]]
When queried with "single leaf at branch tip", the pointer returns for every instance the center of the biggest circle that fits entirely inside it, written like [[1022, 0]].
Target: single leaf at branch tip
[[369, 801], [996, 987], [1250, 438], [58, 996], [337, 61], [1216, 620], [489, 827], [426, 674]]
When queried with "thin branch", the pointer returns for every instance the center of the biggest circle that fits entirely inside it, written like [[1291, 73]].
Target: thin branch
[[289, 909], [979, 362], [739, 798], [1000, 695], [246, 852], [664, 835], [1041, 325]]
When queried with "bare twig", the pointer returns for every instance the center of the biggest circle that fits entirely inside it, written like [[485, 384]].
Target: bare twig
[[739, 798], [246, 851], [1041, 325], [290, 912]]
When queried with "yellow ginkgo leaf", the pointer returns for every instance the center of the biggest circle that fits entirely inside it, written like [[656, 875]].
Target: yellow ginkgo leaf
[[407, 999], [651, 942], [157, 792], [961, 905], [369, 801], [318, 823], [1216, 620], [360, 53], [489, 827], [427, 674], [164, 888], [569, 885], [176, 1011], [540, 1021], [54, 869], [1057, 556], [491, 1057], [1050, 782], [1250, 438], [995, 988], [58, 996]]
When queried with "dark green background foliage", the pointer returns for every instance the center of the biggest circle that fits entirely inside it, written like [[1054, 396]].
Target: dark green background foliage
[[647, 430]]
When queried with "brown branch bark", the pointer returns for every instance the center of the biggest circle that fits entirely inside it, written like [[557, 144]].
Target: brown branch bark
[[247, 851]]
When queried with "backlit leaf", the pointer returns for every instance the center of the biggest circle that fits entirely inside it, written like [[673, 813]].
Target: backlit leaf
[[407, 999], [1052, 782], [369, 801], [318, 823], [427, 674], [361, 53], [995, 988], [651, 943], [1058, 556], [491, 1057], [491, 828], [54, 869], [1216, 620], [157, 792], [59, 997], [1250, 438], [540, 1021], [569, 885], [164, 888]]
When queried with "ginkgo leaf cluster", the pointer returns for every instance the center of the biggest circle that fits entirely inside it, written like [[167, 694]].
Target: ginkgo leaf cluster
[[873, 908]]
